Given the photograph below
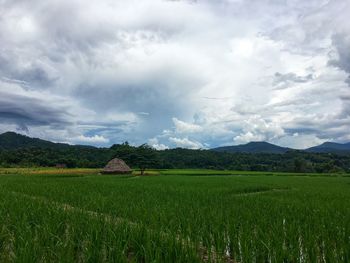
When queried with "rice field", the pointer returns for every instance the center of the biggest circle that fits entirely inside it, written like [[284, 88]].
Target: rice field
[[80, 216]]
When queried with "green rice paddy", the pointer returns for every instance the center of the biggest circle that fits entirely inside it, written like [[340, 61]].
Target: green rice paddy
[[80, 216]]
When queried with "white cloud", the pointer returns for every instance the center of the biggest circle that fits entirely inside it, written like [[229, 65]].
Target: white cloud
[[242, 47], [185, 143], [258, 129], [96, 139], [297, 141], [184, 127], [156, 145], [249, 137]]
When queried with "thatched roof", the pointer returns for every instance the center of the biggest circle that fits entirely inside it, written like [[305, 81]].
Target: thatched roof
[[116, 166]]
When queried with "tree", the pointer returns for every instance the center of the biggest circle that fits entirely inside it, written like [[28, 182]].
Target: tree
[[126, 152], [300, 165], [146, 157]]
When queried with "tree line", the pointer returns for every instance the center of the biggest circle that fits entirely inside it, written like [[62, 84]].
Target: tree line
[[144, 157]]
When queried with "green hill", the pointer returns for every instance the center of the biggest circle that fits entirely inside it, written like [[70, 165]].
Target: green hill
[[13, 141], [253, 147], [331, 147]]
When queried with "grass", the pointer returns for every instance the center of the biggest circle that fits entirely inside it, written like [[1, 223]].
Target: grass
[[186, 172], [77, 216], [48, 171], [230, 172]]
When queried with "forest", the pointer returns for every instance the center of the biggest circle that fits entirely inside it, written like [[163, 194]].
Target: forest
[[81, 156]]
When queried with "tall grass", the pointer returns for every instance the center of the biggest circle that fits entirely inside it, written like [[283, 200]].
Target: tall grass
[[174, 219]]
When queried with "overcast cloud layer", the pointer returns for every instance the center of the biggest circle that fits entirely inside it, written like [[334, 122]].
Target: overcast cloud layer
[[194, 74]]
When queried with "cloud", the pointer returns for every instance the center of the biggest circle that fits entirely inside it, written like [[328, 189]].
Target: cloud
[[185, 143], [57, 118], [184, 127], [258, 129], [341, 59], [208, 73], [31, 109], [300, 141], [291, 78], [96, 139], [156, 145]]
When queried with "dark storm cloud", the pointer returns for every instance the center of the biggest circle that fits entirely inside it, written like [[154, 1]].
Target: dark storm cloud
[[37, 76], [326, 127], [140, 97], [345, 101], [24, 111], [341, 43], [32, 75]]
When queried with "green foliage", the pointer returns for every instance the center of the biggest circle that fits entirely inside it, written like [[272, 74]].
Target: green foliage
[[53, 218], [22, 151], [142, 157], [292, 161], [146, 157]]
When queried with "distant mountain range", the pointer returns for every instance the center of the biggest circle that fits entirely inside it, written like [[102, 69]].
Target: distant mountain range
[[331, 147], [253, 147], [265, 147], [13, 141]]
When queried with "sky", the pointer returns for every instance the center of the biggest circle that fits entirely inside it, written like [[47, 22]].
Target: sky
[[186, 73]]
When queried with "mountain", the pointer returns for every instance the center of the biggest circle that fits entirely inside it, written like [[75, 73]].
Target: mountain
[[330, 147], [253, 147], [13, 141]]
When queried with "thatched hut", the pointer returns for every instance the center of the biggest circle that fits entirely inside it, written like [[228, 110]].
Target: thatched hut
[[116, 166]]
